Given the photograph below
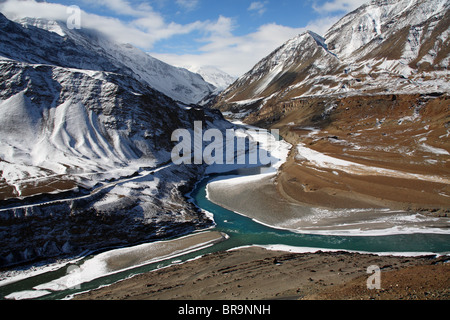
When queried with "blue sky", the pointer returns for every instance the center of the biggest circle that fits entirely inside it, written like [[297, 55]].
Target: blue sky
[[232, 35]]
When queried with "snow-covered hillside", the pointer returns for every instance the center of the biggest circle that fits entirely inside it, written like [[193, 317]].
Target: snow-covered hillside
[[385, 46], [177, 83], [379, 20], [220, 79], [301, 58], [85, 146]]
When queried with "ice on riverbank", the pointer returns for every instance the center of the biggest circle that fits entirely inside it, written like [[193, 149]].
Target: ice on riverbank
[[266, 142], [122, 259]]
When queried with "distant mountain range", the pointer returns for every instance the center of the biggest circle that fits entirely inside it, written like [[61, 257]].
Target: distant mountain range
[[220, 79]]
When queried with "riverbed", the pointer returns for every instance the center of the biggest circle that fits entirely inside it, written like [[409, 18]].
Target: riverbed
[[232, 230]]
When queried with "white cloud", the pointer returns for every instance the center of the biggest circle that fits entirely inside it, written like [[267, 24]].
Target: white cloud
[[338, 5], [234, 54], [322, 25], [144, 31], [238, 54], [123, 7], [258, 7], [188, 4]]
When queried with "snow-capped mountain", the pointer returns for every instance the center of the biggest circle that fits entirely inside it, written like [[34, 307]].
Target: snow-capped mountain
[[74, 105], [85, 145], [371, 25], [220, 79], [299, 59], [385, 46], [177, 83]]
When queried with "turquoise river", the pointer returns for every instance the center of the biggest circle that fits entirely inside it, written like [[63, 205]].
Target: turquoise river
[[243, 231]]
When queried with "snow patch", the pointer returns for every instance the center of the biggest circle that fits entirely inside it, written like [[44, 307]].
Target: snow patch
[[434, 150], [324, 161]]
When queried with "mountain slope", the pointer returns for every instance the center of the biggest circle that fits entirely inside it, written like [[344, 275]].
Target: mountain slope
[[86, 49], [377, 21], [367, 108], [85, 150], [297, 60], [382, 47], [220, 79]]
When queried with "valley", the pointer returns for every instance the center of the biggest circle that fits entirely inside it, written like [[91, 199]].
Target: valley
[[385, 151], [365, 107], [355, 123]]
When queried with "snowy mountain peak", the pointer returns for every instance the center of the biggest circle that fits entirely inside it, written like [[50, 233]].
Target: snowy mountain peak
[[385, 46], [87, 49], [373, 20], [49, 25], [213, 75], [293, 51], [288, 64]]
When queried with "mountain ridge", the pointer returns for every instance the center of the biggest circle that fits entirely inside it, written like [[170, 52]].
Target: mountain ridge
[[383, 47], [85, 149], [177, 83], [375, 98], [220, 79]]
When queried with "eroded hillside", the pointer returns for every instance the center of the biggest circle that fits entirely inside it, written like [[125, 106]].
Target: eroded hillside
[[371, 151]]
